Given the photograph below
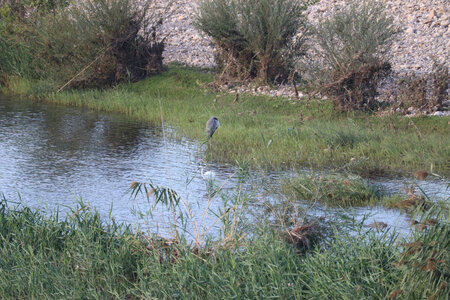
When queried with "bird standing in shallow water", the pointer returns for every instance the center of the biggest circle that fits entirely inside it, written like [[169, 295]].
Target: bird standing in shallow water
[[211, 126]]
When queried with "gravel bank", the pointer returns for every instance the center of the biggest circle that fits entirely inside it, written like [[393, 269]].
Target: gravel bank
[[425, 36]]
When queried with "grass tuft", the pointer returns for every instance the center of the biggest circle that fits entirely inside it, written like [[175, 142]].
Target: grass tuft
[[332, 190]]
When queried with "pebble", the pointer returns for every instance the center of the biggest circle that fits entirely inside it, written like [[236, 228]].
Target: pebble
[[441, 113], [424, 32], [424, 36], [413, 16]]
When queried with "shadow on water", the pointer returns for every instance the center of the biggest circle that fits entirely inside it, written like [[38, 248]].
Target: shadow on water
[[55, 155]]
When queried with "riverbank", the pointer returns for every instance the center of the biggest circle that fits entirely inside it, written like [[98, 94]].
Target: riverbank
[[49, 257], [268, 132]]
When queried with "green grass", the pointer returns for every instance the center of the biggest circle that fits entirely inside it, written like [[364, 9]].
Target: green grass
[[337, 190], [81, 256], [332, 190], [268, 132]]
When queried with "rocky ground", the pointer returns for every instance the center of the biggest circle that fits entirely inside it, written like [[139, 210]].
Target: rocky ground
[[425, 35], [184, 43], [425, 31]]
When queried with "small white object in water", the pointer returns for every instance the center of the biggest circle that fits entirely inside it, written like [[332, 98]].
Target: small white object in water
[[208, 175]]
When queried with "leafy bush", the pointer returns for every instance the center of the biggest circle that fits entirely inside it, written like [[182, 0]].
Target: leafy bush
[[96, 43], [252, 35], [348, 52]]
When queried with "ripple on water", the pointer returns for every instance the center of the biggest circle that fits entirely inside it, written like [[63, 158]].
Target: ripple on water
[[55, 155]]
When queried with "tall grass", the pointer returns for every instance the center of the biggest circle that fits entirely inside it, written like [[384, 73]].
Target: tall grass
[[14, 58], [226, 222], [82, 256], [332, 190], [252, 37], [273, 133]]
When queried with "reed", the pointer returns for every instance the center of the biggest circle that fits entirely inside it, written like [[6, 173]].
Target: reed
[[332, 190], [82, 256], [273, 133]]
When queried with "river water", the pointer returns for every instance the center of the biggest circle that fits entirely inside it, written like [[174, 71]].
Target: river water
[[52, 156]]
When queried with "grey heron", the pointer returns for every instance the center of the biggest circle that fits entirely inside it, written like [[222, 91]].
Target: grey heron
[[211, 126]]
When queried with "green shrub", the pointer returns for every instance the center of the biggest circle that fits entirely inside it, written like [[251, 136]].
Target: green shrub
[[21, 9], [348, 50], [96, 43], [252, 35], [16, 8], [48, 5]]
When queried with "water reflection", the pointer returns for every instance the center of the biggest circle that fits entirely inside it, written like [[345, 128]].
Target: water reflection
[[55, 155]]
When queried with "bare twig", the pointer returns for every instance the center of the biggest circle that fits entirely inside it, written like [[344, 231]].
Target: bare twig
[[84, 69]]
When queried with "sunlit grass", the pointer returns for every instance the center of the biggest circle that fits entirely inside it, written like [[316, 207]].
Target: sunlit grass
[[83, 256], [332, 190], [272, 132], [343, 190]]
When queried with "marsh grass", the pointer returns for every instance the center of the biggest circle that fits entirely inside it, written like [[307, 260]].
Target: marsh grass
[[347, 190], [273, 133], [195, 222], [424, 261], [332, 190], [14, 57], [83, 256]]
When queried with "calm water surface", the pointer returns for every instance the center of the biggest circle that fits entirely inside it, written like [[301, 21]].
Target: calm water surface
[[53, 156]]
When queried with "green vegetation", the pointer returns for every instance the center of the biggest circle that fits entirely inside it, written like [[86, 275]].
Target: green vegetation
[[87, 44], [82, 256], [273, 133], [14, 57], [344, 190], [254, 37], [348, 59], [332, 190], [45, 48]]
